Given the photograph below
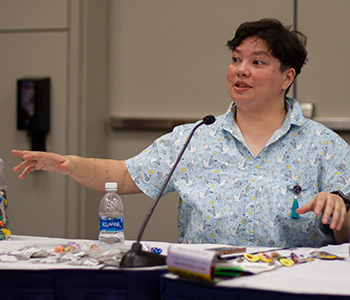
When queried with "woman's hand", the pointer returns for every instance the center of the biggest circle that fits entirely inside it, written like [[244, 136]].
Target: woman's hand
[[34, 160], [332, 207]]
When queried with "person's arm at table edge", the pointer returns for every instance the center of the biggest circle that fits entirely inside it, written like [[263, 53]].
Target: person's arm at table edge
[[90, 172]]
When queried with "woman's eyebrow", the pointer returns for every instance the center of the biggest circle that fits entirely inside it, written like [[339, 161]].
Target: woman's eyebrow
[[258, 52]]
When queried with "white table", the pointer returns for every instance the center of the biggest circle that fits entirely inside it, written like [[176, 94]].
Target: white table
[[24, 279], [320, 278]]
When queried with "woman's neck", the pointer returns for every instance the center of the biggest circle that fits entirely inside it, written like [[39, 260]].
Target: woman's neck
[[258, 127]]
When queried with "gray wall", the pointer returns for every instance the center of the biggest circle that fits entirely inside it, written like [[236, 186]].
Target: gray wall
[[65, 40], [33, 46], [144, 59]]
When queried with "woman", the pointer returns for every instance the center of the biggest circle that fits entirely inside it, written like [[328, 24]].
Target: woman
[[249, 171]]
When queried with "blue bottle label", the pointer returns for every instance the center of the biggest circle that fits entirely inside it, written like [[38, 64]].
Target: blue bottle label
[[111, 224]]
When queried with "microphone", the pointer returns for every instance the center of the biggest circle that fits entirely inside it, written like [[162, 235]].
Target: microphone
[[136, 257]]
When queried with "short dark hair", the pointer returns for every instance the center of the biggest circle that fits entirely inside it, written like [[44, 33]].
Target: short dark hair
[[287, 45]]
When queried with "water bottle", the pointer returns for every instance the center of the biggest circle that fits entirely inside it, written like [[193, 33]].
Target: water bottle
[[111, 216]]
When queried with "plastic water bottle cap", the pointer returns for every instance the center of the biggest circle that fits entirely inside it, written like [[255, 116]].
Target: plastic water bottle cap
[[111, 186]]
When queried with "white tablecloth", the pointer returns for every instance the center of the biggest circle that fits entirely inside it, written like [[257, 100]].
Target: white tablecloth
[[317, 277], [320, 277], [18, 242]]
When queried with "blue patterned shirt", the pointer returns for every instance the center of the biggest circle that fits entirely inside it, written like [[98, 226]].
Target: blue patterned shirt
[[229, 196]]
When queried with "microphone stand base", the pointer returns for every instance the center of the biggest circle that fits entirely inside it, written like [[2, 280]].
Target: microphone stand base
[[136, 257]]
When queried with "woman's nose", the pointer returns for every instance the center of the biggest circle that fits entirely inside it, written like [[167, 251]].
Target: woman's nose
[[243, 70]]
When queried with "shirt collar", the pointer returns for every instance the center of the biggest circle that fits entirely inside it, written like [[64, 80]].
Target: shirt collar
[[294, 116], [294, 112]]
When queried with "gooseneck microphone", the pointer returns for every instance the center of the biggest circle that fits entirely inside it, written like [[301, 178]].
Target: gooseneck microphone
[[136, 257]]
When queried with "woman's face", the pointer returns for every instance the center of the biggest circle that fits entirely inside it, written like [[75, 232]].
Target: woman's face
[[254, 76]]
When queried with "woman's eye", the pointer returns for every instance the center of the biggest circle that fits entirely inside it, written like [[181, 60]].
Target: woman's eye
[[235, 59], [258, 62]]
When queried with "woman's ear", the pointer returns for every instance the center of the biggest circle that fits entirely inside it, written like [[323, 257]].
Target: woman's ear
[[289, 76]]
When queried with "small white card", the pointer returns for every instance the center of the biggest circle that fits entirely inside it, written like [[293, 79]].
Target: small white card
[[8, 258], [189, 262]]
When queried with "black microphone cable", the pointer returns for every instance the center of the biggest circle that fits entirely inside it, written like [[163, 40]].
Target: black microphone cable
[[207, 121], [136, 257]]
